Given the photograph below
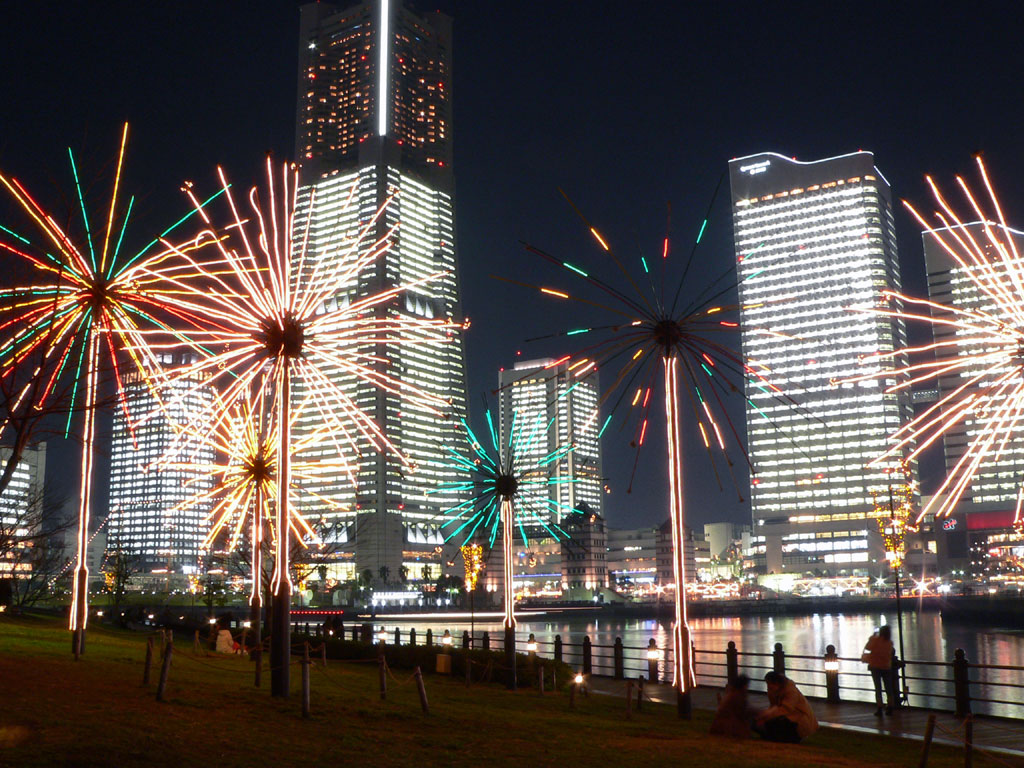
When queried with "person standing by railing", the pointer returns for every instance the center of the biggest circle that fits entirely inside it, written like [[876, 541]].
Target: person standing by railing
[[878, 655]]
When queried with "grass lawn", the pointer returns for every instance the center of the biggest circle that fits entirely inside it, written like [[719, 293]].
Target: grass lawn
[[54, 711]]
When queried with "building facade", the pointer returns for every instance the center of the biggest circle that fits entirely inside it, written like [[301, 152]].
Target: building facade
[[584, 564], [374, 129], [815, 241], [144, 522], [21, 511], [553, 408], [997, 478]]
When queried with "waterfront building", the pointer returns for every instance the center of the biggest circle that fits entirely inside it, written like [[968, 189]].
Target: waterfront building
[[144, 522], [665, 576], [584, 567], [21, 511], [374, 126], [632, 560], [552, 407], [814, 240]]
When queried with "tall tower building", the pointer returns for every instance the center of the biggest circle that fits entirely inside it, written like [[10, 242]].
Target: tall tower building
[[374, 124], [552, 408], [143, 520], [997, 479], [813, 240]]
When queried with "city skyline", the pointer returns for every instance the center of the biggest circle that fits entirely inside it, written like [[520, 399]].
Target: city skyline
[[495, 209]]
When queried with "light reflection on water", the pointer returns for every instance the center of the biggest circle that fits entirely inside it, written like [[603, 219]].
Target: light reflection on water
[[926, 638]]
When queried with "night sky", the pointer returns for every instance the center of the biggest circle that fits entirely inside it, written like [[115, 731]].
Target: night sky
[[626, 106]]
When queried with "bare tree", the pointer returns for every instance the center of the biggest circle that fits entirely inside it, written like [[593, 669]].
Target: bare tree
[[32, 553]]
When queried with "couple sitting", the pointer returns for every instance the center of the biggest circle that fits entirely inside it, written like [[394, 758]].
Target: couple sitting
[[788, 718]]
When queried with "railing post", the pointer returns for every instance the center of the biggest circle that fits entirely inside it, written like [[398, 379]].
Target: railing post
[[779, 659], [412, 636], [961, 684], [831, 675], [619, 661], [355, 633], [485, 641], [587, 657], [652, 661], [465, 639], [558, 647], [732, 662], [430, 638], [398, 636]]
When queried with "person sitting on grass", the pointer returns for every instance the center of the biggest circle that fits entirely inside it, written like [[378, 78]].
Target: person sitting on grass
[[226, 643], [789, 719], [734, 715]]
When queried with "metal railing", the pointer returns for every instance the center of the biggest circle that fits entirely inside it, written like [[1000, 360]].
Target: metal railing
[[956, 685]]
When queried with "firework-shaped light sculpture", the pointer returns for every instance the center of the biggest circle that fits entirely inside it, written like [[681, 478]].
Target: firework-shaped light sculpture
[[680, 337], [89, 303], [269, 295], [508, 489], [977, 355]]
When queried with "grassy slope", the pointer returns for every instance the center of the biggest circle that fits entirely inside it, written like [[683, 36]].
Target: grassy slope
[[95, 713]]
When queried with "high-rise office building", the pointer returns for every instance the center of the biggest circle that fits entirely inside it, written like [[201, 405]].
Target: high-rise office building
[[815, 241], [144, 522], [374, 126], [997, 478], [21, 511], [553, 408]]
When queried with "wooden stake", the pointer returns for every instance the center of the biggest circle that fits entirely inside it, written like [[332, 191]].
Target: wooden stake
[[165, 669], [968, 741], [383, 677], [149, 661], [305, 680], [423, 691], [929, 732], [629, 699], [540, 679]]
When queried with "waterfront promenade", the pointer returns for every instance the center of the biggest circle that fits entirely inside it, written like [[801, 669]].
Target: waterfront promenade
[[1002, 737]]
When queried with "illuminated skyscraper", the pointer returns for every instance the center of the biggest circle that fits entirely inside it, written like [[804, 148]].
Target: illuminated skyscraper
[[21, 511], [997, 479], [373, 123], [539, 393], [812, 240], [143, 520]]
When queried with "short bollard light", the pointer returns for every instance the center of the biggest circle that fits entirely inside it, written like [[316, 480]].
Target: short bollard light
[[831, 664], [531, 644], [578, 679], [98, 613], [653, 657], [212, 621], [446, 639], [247, 624], [150, 616], [330, 632], [382, 636]]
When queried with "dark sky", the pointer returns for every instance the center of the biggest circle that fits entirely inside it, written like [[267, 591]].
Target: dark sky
[[626, 106]]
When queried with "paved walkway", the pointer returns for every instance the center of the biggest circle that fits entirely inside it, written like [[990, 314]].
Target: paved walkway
[[1003, 737]]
